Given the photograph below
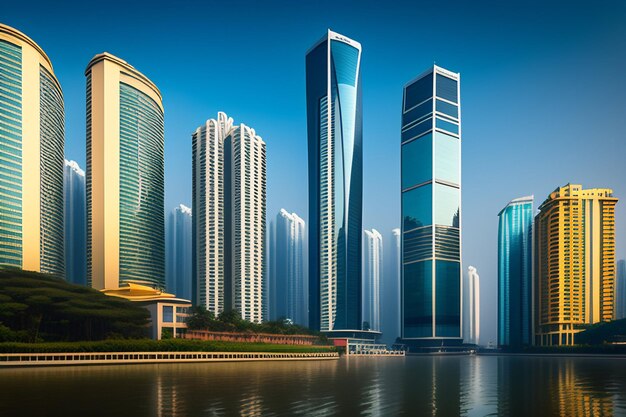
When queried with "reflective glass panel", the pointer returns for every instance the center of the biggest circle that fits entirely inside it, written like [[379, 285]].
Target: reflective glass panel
[[417, 162], [446, 205], [447, 88], [446, 158], [450, 127], [419, 91], [417, 207], [417, 113], [448, 299], [418, 129], [418, 299], [447, 108]]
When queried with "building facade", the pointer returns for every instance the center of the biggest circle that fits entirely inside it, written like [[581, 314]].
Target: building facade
[[390, 289], [620, 291], [208, 208], [515, 273], [229, 202], [178, 262], [472, 307], [287, 277], [125, 168], [372, 277], [75, 224], [431, 209], [32, 136], [574, 263], [334, 124]]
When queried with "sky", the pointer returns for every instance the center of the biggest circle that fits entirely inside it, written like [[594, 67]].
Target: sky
[[542, 92]]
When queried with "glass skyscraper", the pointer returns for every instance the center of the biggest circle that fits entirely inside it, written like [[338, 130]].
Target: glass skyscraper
[[372, 274], [431, 209], [178, 265], [287, 278], [515, 266], [620, 290], [125, 169], [75, 224], [333, 95], [32, 135]]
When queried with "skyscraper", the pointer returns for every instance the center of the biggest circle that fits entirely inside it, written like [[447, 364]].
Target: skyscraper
[[178, 268], [372, 274], [287, 286], [574, 262], [32, 135], [515, 266], [75, 224], [334, 124], [472, 332], [125, 166], [390, 289], [229, 203], [620, 291], [431, 209], [208, 208]]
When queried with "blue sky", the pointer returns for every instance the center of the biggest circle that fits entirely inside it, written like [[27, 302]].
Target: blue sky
[[542, 91]]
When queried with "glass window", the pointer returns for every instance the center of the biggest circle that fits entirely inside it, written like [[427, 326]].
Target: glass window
[[447, 108], [447, 150], [418, 129], [446, 205], [345, 60], [450, 127], [168, 314], [418, 299], [417, 207], [419, 91], [447, 88], [418, 244], [417, 161], [417, 113], [448, 299]]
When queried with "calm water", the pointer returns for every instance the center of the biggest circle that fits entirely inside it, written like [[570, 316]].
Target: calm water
[[416, 386]]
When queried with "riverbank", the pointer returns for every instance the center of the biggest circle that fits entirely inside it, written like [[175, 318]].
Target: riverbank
[[148, 345], [117, 358]]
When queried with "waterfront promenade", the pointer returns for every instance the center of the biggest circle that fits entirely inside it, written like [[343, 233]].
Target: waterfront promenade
[[117, 358]]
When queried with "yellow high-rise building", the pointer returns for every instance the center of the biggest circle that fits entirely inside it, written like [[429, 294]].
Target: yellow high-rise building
[[574, 262], [32, 136], [125, 170]]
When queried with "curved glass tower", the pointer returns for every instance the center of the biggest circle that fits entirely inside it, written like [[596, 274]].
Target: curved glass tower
[[125, 168], [32, 135], [431, 209], [333, 90], [515, 270]]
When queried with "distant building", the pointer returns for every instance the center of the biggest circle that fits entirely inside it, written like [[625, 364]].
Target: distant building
[[515, 273], [431, 210], [178, 276], [334, 124], [229, 203], [574, 262], [390, 289], [75, 224], [32, 135], [372, 277], [125, 169], [287, 277], [472, 309], [620, 290]]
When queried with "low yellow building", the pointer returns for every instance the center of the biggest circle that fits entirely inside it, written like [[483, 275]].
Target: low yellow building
[[574, 263], [166, 311]]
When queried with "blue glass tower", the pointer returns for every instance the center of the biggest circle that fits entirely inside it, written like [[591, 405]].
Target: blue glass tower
[[515, 265], [431, 210], [333, 94]]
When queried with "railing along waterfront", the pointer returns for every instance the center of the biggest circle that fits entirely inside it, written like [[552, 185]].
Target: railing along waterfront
[[102, 358]]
